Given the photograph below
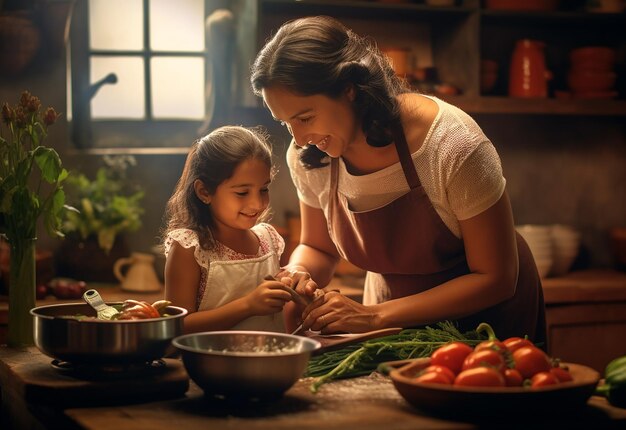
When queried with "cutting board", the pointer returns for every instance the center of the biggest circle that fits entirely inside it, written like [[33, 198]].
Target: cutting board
[[337, 341], [35, 380]]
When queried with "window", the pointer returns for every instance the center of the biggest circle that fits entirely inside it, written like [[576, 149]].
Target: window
[[139, 71]]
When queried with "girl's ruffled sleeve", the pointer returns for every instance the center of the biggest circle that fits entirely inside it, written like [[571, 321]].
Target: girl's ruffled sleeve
[[187, 239]]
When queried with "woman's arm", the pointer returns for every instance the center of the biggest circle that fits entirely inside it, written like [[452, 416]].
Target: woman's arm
[[491, 251], [182, 278]]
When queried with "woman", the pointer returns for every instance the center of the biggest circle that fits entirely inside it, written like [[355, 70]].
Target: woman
[[402, 185]]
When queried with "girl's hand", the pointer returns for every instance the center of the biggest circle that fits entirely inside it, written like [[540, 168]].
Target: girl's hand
[[268, 298], [335, 313]]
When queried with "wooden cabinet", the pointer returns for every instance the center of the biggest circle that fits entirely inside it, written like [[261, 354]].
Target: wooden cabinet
[[586, 317], [454, 39]]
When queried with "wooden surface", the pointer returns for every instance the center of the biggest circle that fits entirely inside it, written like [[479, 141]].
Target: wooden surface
[[369, 402], [596, 285]]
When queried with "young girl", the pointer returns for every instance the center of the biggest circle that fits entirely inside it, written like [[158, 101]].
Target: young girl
[[218, 254]]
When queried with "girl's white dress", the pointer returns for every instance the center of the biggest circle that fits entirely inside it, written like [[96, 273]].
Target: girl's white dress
[[227, 275]]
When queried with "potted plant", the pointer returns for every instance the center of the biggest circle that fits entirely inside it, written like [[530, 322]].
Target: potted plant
[[31, 178], [108, 206]]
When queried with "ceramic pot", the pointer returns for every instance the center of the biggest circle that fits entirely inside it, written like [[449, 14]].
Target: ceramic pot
[[528, 75], [139, 273]]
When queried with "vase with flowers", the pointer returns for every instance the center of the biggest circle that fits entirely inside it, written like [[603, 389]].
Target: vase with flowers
[[31, 186]]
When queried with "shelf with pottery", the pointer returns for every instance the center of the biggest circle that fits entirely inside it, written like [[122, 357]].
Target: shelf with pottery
[[454, 39]]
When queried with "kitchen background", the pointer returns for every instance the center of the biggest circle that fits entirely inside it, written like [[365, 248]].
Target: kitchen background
[[564, 161]]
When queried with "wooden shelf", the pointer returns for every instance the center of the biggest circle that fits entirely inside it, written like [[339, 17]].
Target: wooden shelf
[[508, 105]]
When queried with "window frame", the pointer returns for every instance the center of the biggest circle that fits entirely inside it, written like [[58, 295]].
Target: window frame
[[111, 134]]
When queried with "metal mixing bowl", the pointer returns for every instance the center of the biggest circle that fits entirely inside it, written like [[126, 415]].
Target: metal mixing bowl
[[60, 336], [245, 364]]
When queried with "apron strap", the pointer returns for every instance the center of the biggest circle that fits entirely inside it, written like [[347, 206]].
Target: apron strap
[[405, 159]]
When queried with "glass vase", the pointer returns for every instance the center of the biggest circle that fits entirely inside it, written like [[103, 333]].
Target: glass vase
[[21, 292]]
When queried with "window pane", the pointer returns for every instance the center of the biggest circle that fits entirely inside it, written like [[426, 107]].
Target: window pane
[[116, 24], [177, 87], [178, 28], [124, 99]]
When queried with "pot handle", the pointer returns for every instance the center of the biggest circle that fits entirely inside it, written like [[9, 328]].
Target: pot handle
[[117, 267]]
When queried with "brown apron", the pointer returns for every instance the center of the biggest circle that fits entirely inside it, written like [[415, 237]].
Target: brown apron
[[407, 249]]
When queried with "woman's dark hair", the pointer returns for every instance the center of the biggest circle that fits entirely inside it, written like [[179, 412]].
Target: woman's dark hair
[[319, 55], [212, 159]]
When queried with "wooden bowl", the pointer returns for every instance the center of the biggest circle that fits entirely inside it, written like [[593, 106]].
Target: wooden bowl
[[486, 401]]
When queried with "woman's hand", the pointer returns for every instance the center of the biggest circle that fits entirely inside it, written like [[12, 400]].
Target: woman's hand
[[335, 313], [268, 298]]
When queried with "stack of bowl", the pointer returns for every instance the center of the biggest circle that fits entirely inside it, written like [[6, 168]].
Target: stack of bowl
[[555, 247], [592, 72], [539, 240], [565, 244]]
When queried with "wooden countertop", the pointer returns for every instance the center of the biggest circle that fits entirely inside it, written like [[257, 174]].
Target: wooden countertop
[[595, 285], [368, 402]]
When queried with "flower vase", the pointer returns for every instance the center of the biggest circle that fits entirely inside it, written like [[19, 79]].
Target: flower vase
[[21, 292]]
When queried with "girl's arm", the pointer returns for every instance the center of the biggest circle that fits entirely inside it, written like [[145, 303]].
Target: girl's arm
[[182, 279]]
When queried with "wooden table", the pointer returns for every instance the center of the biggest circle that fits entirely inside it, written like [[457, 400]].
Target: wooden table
[[369, 402]]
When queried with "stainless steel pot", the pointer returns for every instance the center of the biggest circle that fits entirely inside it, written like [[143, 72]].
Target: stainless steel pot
[[245, 364], [60, 336]]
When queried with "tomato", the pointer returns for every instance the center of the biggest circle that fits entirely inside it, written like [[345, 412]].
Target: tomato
[[513, 378], [543, 379], [514, 343], [451, 355], [562, 374], [434, 378], [480, 377], [441, 369], [485, 357], [495, 345], [530, 360]]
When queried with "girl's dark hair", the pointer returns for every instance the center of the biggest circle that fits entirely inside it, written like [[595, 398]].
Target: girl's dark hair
[[212, 159], [319, 55]]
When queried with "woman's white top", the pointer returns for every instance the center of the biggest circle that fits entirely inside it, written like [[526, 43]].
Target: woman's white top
[[457, 165]]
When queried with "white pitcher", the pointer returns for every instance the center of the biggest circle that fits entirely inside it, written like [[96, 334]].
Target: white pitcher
[[140, 276]]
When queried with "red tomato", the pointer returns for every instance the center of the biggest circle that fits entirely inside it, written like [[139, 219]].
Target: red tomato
[[480, 377], [530, 360], [542, 379], [441, 369], [451, 355], [562, 374], [495, 345], [513, 378], [485, 357], [434, 378], [514, 343]]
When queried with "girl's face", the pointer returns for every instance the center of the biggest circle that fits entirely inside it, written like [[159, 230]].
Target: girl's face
[[319, 120], [239, 201]]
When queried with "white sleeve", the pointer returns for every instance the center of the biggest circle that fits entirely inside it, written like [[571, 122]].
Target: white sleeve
[[300, 177], [478, 183]]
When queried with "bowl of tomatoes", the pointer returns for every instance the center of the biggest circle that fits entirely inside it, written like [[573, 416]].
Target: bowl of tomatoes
[[492, 377]]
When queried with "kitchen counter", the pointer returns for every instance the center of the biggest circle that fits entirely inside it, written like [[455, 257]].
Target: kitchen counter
[[367, 402]]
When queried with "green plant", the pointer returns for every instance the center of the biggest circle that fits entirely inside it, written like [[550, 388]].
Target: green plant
[[107, 205], [31, 175]]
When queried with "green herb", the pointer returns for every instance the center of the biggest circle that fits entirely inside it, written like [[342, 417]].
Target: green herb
[[364, 357], [31, 175], [108, 204]]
